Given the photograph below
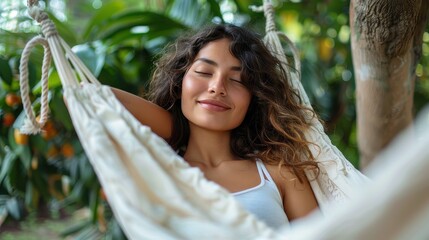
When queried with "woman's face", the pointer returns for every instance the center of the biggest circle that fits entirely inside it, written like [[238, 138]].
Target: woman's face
[[213, 96]]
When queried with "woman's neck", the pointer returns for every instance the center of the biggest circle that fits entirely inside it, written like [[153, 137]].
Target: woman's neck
[[207, 149]]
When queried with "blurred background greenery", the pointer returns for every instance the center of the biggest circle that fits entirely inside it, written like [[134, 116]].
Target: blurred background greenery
[[119, 40]]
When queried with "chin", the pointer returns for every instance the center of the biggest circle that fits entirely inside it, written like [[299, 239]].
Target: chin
[[216, 127]]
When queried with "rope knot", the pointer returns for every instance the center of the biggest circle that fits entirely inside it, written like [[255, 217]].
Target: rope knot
[[268, 9], [37, 14], [269, 15], [48, 28]]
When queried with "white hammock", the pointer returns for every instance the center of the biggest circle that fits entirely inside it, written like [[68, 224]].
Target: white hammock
[[153, 192], [396, 204]]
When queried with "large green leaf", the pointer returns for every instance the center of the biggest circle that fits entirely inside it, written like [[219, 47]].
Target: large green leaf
[[18, 122], [90, 232], [60, 111], [30, 195], [115, 230], [75, 228], [132, 22], [3, 213], [92, 57], [33, 78], [86, 172], [3, 92], [191, 13], [13, 42], [25, 157], [215, 8], [194, 13], [94, 200], [7, 163], [5, 71], [38, 181], [23, 151], [14, 208], [100, 17], [244, 5]]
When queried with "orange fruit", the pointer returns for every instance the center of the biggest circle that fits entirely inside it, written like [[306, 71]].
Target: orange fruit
[[67, 150], [102, 194], [49, 131], [20, 138], [8, 119], [12, 100], [52, 152]]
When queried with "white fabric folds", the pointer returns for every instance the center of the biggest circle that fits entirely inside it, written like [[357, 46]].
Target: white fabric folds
[[394, 206], [337, 178], [152, 191]]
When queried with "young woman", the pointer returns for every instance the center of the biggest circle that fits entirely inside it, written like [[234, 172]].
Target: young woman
[[223, 101]]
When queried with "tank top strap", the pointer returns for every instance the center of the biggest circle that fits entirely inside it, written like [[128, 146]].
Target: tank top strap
[[263, 170]]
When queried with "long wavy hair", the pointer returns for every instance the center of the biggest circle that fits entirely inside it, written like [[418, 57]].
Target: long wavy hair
[[273, 128]]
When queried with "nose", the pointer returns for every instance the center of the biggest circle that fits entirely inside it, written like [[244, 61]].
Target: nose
[[217, 86]]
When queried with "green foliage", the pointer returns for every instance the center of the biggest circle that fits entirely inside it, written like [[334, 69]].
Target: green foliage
[[118, 44], [118, 41]]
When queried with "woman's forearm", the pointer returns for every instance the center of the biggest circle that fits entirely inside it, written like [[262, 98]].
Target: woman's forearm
[[148, 113]]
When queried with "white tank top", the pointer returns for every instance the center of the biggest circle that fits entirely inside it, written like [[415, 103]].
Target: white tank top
[[264, 200]]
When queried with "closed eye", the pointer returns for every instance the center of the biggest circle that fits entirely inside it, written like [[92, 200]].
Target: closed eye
[[203, 73], [235, 80]]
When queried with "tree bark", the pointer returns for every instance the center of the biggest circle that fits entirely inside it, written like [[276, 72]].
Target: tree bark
[[386, 40]]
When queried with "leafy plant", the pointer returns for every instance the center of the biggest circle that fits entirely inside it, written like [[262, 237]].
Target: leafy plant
[[119, 42], [51, 168]]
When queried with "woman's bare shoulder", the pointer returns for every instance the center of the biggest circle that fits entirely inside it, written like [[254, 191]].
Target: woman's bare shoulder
[[298, 197]]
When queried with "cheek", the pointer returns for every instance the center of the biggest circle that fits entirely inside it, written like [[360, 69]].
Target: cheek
[[186, 87], [191, 86], [243, 101], [245, 97], [190, 91], [187, 90]]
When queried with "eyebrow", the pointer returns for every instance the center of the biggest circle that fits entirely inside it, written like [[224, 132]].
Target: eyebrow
[[211, 62]]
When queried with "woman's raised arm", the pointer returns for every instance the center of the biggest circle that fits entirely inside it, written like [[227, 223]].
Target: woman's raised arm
[[149, 114]]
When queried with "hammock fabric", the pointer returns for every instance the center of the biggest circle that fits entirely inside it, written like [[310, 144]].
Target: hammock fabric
[[153, 192], [394, 206]]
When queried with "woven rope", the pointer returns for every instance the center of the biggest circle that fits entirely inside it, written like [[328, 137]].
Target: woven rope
[[293, 70], [55, 47], [31, 3], [31, 125], [272, 41], [270, 25]]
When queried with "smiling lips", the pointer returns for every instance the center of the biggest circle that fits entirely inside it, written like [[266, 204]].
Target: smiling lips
[[213, 105]]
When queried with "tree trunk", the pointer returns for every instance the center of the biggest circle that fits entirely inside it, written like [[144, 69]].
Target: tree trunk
[[386, 40]]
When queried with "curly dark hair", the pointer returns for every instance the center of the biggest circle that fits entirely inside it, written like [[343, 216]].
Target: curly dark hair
[[273, 128]]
